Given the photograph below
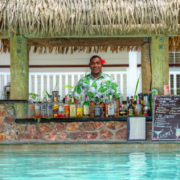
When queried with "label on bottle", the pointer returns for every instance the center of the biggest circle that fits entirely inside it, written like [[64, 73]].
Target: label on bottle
[[86, 110], [73, 110], [97, 112], [61, 109], [110, 110], [131, 112], [66, 111], [79, 111]]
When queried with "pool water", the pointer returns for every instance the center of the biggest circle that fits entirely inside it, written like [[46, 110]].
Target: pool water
[[86, 162]]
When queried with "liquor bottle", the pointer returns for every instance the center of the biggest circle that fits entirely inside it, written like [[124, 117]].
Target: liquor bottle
[[91, 107], [44, 108], [146, 107], [138, 107], [123, 109], [61, 106], [106, 106], [55, 107], [79, 108], [72, 108], [38, 108], [116, 107], [130, 109], [86, 107], [97, 110], [49, 108], [102, 107], [111, 107], [66, 107], [31, 109]]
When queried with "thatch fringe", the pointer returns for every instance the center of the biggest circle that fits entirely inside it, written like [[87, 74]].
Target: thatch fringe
[[89, 17]]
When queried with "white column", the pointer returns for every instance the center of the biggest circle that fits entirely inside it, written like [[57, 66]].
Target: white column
[[132, 76]]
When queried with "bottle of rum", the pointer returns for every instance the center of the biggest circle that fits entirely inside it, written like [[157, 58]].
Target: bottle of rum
[[130, 109], [111, 109], [86, 107], [72, 108], [138, 108], [106, 106], [102, 107], [55, 107], [49, 108], [97, 111], [79, 108], [31, 109], [66, 107], [92, 107], [116, 107], [146, 107]]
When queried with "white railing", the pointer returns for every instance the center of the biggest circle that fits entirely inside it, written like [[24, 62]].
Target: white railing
[[4, 79], [39, 82], [174, 81]]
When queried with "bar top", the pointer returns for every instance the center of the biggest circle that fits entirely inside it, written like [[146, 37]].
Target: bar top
[[96, 119], [12, 101]]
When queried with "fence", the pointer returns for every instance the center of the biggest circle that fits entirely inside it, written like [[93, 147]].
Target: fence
[[48, 81]]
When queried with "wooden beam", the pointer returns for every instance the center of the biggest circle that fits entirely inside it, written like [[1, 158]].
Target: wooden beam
[[146, 68], [160, 62], [19, 68]]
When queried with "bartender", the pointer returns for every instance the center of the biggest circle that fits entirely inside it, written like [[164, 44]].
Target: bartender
[[97, 83]]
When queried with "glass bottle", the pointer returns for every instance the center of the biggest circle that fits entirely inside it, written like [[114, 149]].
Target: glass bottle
[[116, 107], [138, 107], [146, 107], [123, 111], [61, 106], [49, 108], [31, 109], [102, 107], [106, 106], [92, 107], [55, 107], [79, 110], [44, 108], [38, 108], [86, 107], [111, 107], [97, 110], [130, 109], [72, 108], [66, 107]]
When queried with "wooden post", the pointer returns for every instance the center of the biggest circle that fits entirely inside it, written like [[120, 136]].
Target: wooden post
[[19, 68], [160, 62], [146, 68], [19, 74]]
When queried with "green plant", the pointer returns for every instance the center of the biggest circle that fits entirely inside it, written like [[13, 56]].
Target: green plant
[[137, 85], [34, 96]]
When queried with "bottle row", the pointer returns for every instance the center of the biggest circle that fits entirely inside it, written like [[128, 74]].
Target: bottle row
[[105, 106]]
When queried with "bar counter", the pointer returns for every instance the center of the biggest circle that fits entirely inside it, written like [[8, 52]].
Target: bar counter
[[15, 129]]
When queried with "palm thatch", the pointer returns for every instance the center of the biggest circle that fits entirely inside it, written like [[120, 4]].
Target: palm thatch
[[89, 17]]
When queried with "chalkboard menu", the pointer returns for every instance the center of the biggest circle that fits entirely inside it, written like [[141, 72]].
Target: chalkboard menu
[[166, 118]]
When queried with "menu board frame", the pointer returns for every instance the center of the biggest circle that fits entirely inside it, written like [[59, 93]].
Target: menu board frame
[[166, 125]]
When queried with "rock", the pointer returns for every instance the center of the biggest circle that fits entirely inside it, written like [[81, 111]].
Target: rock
[[2, 127], [9, 119], [58, 127], [2, 137], [99, 125], [105, 134], [72, 126], [1, 119], [121, 134], [51, 137], [45, 128], [119, 125], [63, 135], [3, 113], [111, 125], [74, 135], [88, 126], [86, 135]]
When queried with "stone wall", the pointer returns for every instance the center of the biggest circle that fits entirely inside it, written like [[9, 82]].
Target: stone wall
[[111, 131]]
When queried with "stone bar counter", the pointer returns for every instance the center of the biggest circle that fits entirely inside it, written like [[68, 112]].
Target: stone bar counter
[[61, 130]]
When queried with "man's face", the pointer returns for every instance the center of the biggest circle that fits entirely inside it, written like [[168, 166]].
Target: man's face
[[95, 66]]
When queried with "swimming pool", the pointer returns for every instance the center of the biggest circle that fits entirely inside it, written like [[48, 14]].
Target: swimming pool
[[96, 162]]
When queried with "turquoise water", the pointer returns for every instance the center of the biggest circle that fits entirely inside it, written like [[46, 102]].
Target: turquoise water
[[96, 162]]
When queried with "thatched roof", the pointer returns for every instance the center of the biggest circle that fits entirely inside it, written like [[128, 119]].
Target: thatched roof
[[89, 17], [64, 45]]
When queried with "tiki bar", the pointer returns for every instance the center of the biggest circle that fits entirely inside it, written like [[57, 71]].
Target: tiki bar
[[84, 71]]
